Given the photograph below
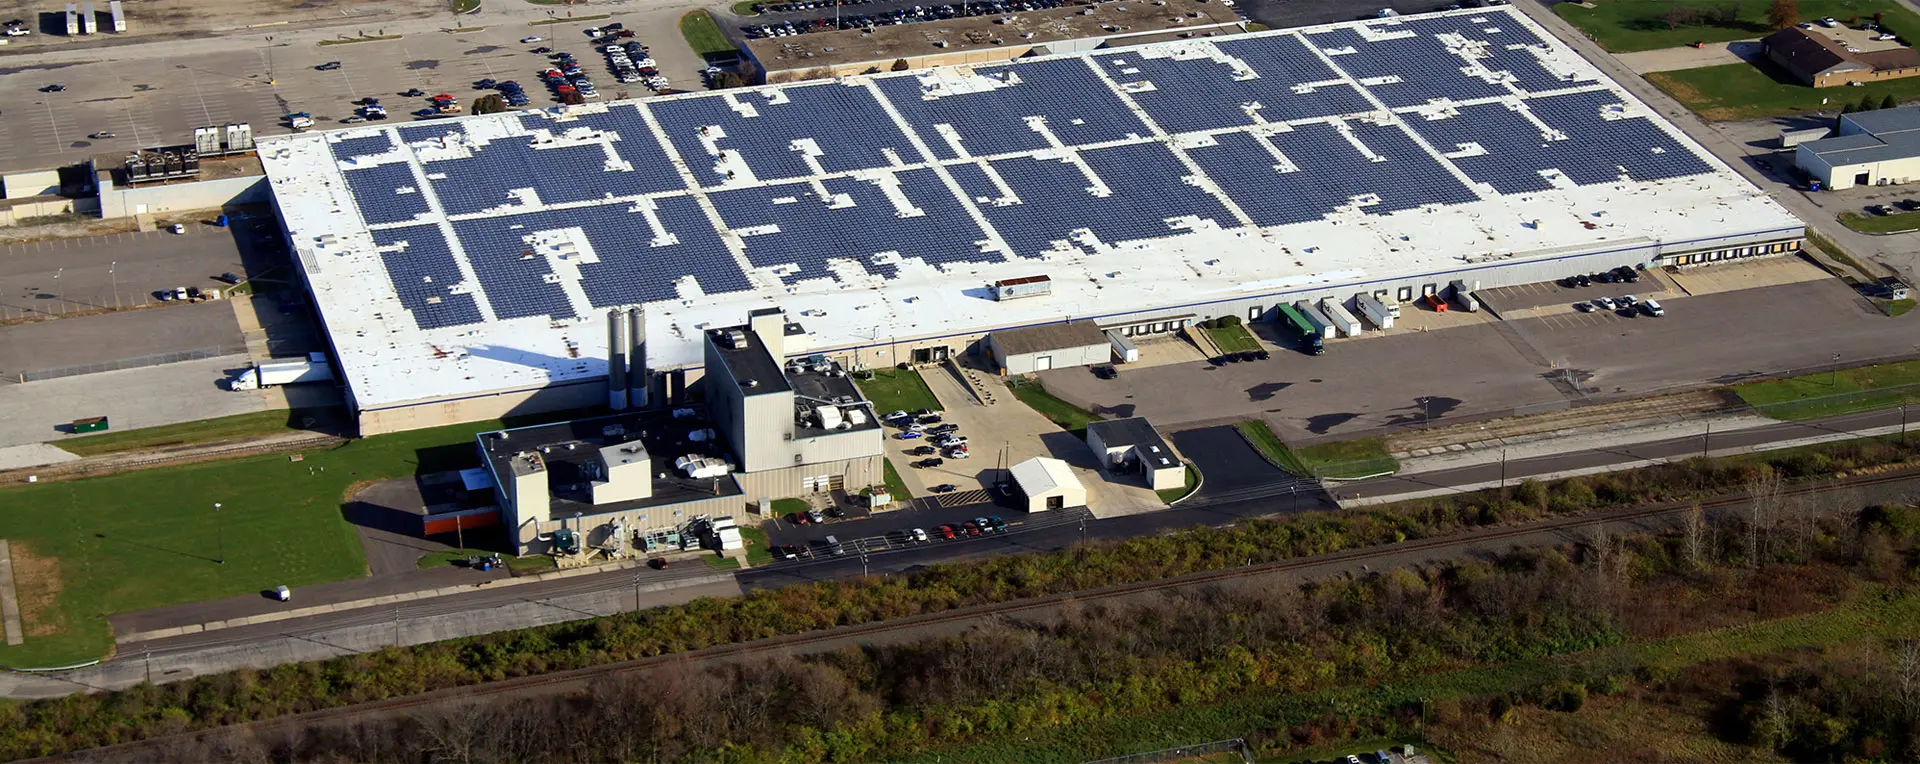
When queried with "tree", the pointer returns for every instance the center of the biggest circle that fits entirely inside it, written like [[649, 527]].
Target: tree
[[1889, 103], [725, 80], [489, 104], [1783, 13], [1678, 16]]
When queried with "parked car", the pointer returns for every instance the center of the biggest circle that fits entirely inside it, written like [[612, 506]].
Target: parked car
[[946, 532], [957, 453], [1106, 371], [999, 525], [1604, 303], [657, 563], [917, 536], [1652, 308], [798, 518], [942, 428], [1583, 307], [103, 134], [929, 463], [929, 419], [944, 488], [1583, 281], [529, 40], [906, 435], [923, 451], [833, 545], [54, 88], [836, 512], [228, 278], [972, 528], [1879, 209], [816, 516], [1627, 301], [891, 416], [787, 552], [985, 526], [328, 66]]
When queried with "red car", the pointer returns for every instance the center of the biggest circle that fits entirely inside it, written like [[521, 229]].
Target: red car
[[973, 529], [946, 532], [799, 518]]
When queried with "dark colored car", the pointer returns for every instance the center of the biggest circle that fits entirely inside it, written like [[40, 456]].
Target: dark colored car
[[615, 26], [1909, 205], [328, 66], [657, 563], [836, 512], [923, 451], [54, 88], [929, 419], [973, 529], [787, 552], [1106, 371], [929, 462], [944, 488], [542, 49], [1248, 355], [1262, 354], [1583, 281], [486, 84], [999, 525], [412, 93], [937, 429], [228, 278]]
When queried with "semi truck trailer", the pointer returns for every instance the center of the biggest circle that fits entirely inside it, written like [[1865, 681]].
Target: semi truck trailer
[[313, 368], [1310, 337], [1344, 321], [1376, 312]]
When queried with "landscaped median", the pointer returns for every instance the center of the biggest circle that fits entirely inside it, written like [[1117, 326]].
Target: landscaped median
[[1341, 460], [1898, 222], [1826, 394], [703, 34]]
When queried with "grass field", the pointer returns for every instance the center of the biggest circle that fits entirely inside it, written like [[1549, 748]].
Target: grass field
[[1747, 91], [1232, 339], [1343, 459], [1629, 25], [1844, 392], [205, 431], [896, 390], [895, 486], [759, 550], [703, 34], [1899, 307], [89, 548], [1068, 416], [1871, 617], [1895, 223]]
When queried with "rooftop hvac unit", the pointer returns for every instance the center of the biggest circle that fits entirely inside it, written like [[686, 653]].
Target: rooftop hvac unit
[[206, 140], [239, 136], [192, 161]]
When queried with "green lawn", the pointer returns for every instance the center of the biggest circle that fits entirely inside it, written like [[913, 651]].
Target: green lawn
[[1898, 222], [789, 506], [1344, 459], [721, 563], [88, 548], [1899, 307], [1232, 339], [1066, 415], [519, 565], [1748, 91], [895, 486], [1172, 495], [465, 6], [1850, 390], [896, 390], [1629, 25], [703, 34], [745, 8], [204, 431], [759, 550]]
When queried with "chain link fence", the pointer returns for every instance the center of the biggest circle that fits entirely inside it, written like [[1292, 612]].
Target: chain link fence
[[155, 359]]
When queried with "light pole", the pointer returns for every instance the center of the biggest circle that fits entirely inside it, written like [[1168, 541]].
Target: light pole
[[1706, 441], [1833, 374], [111, 267], [1503, 469], [220, 533]]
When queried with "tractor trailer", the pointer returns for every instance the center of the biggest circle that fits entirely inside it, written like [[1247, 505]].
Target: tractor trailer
[[1348, 325], [313, 368], [1310, 336], [1376, 312]]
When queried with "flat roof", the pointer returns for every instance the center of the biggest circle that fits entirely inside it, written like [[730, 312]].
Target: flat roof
[[1021, 29], [1040, 339], [472, 256], [565, 446], [1891, 134], [748, 361], [1138, 433]]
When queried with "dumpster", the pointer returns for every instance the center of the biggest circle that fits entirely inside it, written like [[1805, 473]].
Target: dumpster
[[220, 221], [90, 424]]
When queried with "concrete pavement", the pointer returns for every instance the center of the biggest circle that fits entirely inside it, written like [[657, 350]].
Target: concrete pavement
[[1689, 57]]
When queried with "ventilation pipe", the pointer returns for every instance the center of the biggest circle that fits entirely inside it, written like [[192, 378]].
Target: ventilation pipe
[[616, 361], [641, 380]]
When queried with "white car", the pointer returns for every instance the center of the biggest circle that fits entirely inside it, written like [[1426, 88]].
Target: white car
[[593, 31], [529, 40], [918, 535], [1605, 303]]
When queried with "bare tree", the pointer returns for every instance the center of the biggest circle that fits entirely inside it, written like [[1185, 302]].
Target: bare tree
[[1763, 504], [1696, 536], [456, 735], [1906, 675]]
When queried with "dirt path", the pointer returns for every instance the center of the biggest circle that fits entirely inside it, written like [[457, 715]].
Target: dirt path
[[107, 464]]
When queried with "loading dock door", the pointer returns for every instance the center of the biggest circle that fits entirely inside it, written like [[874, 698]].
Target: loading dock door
[[1042, 363]]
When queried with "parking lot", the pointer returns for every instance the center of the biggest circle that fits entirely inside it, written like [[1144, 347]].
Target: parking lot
[[892, 531], [1405, 378], [155, 94]]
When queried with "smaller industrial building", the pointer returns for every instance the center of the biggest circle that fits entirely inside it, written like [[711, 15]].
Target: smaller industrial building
[[1870, 148], [1041, 484], [771, 428], [1048, 346], [1823, 56], [1132, 447], [986, 39]]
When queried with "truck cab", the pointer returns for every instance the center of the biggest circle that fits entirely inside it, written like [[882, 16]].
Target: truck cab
[[300, 120]]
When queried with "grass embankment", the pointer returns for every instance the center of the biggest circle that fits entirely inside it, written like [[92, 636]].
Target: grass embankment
[[896, 487], [1844, 392], [1899, 222], [464, 6], [1345, 459], [519, 566], [1899, 307], [252, 425], [1068, 416], [88, 548], [1733, 92], [1621, 26], [759, 549], [703, 34], [1867, 618], [898, 390], [1172, 495], [746, 8], [1232, 339]]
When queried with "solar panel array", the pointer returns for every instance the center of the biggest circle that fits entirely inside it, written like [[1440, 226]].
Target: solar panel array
[[557, 214]]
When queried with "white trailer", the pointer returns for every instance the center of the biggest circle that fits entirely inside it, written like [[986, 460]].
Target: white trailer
[[89, 21], [264, 374], [1321, 325], [73, 19], [1376, 313], [1123, 348], [119, 15], [1344, 321], [1463, 296]]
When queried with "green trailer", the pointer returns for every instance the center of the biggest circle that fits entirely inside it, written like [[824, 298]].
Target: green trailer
[[1309, 332]]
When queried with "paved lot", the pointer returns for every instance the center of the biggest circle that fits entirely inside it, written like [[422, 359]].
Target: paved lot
[[131, 399], [153, 94], [1688, 57], [120, 339], [67, 275], [1405, 378]]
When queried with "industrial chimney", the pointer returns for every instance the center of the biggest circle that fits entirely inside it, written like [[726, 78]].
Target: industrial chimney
[[616, 361], [641, 380]]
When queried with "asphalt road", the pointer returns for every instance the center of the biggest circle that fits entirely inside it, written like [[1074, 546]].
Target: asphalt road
[[72, 275]]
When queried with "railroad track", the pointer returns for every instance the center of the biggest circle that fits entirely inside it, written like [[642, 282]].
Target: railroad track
[[581, 676]]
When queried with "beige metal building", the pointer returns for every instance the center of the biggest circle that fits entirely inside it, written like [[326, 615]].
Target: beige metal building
[[1871, 148], [986, 39], [1046, 484], [1132, 447], [1049, 346]]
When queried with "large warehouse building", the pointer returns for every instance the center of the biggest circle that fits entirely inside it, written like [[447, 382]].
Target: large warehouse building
[[461, 266]]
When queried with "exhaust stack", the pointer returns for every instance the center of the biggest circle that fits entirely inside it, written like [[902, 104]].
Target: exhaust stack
[[640, 382], [616, 361]]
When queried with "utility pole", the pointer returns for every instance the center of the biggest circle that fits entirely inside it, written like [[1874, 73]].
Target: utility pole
[[1903, 421], [396, 625], [1706, 441], [220, 531], [1503, 469], [116, 282], [636, 592], [1833, 374]]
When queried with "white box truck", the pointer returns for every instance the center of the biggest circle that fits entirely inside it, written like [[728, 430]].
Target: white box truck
[[1463, 296], [1344, 321], [1320, 323], [1376, 313], [264, 374]]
